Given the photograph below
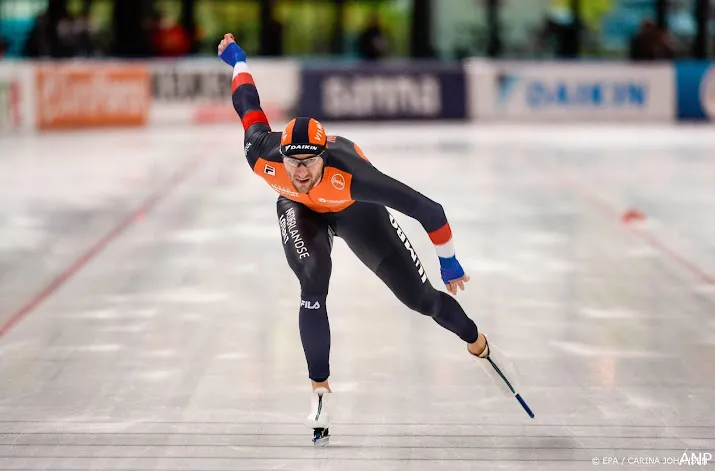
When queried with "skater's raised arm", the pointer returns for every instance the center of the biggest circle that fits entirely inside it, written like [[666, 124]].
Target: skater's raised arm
[[245, 99]]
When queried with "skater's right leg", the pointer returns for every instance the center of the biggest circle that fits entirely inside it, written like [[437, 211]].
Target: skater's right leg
[[307, 243]]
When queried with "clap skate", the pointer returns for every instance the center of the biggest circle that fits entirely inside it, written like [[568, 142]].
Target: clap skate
[[498, 369], [320, 416]]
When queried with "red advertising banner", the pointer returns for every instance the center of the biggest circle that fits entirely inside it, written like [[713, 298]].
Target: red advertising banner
[[92, 95]]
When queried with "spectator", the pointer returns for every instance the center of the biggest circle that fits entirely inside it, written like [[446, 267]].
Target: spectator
[[374, 43], [170, 39], [86, 39], [39, 42], [270, 35], [652, 43], [66, 37], [132, 29]]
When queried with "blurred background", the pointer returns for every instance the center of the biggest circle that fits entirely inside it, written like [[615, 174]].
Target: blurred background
[[371, 29], [144, 291]]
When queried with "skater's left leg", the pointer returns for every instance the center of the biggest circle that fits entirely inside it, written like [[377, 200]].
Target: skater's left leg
[[377, 240], [307, 244]]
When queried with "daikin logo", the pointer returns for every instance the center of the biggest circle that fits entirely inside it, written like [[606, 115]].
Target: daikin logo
[[506, 83], [301, 147], [539, 93]]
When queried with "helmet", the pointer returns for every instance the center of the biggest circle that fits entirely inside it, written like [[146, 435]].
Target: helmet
[[303, 136]]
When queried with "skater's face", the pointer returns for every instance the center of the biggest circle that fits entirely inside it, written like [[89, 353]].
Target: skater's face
[[304, 171]]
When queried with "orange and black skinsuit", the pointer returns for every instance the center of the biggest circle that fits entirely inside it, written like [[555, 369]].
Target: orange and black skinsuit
[[349, 202]]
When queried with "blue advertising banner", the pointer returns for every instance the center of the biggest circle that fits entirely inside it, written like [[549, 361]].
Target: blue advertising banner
[[384, 91], [696, 90]]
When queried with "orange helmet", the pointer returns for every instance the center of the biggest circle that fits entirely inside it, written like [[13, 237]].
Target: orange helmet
[[303, 136]]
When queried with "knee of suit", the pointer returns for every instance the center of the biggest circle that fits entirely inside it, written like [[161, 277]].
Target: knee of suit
[[426, 302], [314, 276]]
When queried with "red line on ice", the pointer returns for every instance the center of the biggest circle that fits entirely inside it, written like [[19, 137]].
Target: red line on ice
[[654, 241], [147, 205]]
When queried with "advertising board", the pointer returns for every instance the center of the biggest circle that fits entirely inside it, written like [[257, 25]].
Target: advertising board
[[16, 95], [696, 91], [91, 94], [384, 91], [198, 91], [573, 92]]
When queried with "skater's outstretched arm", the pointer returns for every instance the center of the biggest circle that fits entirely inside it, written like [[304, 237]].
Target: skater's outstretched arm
[[371, 185], [245, 98]]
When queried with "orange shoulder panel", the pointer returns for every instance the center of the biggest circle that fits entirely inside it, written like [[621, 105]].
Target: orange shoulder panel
[[360, 152]]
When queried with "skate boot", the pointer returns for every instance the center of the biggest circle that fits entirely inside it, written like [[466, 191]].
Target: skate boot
[[320, 416]]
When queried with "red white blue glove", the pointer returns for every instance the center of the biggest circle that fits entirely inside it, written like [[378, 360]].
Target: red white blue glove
[[452, 273], [233, 54], [450, 269]]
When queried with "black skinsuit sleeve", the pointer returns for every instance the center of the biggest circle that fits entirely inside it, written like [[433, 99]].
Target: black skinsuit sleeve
[[371, 185], [247, 104]]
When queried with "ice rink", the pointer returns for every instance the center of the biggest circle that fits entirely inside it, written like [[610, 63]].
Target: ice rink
[[149, 320]]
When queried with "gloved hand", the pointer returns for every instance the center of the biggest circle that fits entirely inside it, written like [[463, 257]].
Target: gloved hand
[[230, 52], [452, 274]]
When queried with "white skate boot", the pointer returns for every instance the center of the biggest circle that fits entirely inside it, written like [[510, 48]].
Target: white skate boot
[[320, 416]]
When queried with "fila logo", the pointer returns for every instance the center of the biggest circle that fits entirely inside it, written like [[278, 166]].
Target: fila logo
[[245, 149], [308, 305], [338, 181], [269, 170]]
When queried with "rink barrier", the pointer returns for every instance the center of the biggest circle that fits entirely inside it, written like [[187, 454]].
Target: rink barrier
[[376, 91], [574, 91], [696, 91], [85, 94], [62, 95], [198, 91], [16, 98]]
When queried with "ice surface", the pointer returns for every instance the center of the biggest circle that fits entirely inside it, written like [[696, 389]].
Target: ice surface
[[173, 343]]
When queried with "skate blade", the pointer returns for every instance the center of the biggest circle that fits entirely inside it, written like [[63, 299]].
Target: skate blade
[[321, 437], [504, 375], [506, 366]]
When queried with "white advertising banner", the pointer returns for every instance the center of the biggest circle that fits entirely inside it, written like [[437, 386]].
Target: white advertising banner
[[17, 82], [584, 91], [198, 91]]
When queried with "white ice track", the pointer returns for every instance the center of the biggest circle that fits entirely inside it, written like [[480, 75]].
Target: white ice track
[[175, 346]]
